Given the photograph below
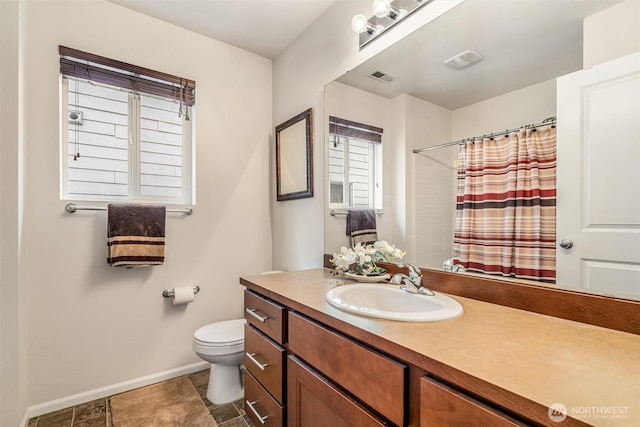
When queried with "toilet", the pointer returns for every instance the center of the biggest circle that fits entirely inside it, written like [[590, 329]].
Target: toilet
[[222, 345]]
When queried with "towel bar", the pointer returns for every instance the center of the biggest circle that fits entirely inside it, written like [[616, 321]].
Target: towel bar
[[168, 293], [334, 212], [72, 208]]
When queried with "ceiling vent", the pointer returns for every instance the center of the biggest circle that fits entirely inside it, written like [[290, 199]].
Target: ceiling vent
[[463, 60], [382, 76]]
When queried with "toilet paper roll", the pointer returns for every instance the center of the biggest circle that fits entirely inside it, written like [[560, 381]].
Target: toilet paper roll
[[183, 295]]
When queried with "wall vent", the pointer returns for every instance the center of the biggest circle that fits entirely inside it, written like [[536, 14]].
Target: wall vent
[[382, 76], [464, 59]]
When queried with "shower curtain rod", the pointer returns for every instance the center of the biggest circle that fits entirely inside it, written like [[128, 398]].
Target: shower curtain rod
[[545, 122]]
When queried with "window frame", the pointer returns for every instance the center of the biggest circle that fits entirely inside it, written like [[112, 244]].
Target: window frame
[[133, 155], [374, 169]]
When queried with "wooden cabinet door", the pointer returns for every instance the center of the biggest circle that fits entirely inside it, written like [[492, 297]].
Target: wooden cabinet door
[[314, 401], [443, 406], [373, 378]]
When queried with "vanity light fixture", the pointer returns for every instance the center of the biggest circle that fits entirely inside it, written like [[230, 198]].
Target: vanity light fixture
[[383, 8], [359, 24], [386, 14]]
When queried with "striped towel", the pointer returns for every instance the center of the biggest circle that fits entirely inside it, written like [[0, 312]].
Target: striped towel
[[361, 226], [135, 235]]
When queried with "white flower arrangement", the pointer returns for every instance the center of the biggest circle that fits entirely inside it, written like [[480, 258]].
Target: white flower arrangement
[[362, 258]]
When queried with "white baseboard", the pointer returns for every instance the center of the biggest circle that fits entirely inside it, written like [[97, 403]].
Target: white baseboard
[[87, 396]]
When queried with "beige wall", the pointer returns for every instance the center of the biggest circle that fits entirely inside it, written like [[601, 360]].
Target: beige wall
[[612, 33], [13, 300], [91, 325]]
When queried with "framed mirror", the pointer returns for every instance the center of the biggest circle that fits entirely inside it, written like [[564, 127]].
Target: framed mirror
[[294, 157], [429, 105]]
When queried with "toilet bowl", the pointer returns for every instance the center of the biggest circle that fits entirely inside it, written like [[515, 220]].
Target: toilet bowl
[[222, 345]]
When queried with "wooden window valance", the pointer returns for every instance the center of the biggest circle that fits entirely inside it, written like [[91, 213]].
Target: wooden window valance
[[357, 130], [87, 66]]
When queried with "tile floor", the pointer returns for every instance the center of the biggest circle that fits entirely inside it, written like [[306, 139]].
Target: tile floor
[[97, 413]]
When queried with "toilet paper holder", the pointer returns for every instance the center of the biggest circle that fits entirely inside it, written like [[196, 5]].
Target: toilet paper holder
[[168, 293]]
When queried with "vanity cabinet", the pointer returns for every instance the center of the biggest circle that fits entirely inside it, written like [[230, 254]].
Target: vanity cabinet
[[325, 367], [327, 379], [445, 406], [264, 360], [301, 373]]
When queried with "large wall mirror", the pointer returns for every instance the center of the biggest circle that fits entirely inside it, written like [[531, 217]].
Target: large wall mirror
[[294, 162], [527, 48]]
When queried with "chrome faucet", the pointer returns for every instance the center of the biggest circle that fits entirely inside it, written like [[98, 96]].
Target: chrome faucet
[[450, 266], [411, 283]]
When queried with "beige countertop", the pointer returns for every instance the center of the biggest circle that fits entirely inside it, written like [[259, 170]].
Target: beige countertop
[[594, 372]]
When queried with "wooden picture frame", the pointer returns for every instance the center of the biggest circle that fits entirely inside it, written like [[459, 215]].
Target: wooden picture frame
[[294, 157]]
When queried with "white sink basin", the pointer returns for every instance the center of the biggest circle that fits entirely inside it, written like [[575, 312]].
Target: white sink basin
[[390, 302]]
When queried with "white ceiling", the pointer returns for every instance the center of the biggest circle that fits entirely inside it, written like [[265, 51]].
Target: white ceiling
[[523, 42], [264, 27]]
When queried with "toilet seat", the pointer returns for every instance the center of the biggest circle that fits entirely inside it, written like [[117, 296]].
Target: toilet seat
[[221, 334]]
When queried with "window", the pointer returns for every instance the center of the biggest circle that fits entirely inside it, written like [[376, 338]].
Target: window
[[355, 165], [122, 138]]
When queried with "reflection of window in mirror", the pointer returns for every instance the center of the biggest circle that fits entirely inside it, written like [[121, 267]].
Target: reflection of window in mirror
[[355, 165]]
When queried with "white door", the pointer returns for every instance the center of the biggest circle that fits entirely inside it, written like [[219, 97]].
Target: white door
[[598, 183]]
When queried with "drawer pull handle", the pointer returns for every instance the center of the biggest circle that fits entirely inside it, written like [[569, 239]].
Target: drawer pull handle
[[252, 312], [260, 417], [254, 360]]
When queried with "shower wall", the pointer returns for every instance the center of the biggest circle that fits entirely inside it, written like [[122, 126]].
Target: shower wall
[[435, 178], [430, 181]]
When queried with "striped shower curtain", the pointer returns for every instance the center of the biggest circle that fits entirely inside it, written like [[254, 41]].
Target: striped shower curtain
[[506, 205]]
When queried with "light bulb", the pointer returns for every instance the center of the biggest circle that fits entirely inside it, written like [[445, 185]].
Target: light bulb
[[359, 24], [382, 8]]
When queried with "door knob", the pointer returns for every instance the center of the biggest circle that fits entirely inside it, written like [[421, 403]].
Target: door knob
[[566, 244]]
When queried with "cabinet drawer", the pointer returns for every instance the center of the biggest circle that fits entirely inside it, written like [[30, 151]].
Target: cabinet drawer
[[265, 360], [260, 406], [376, 380], [444, 406], [314, 401], [265, 315]]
